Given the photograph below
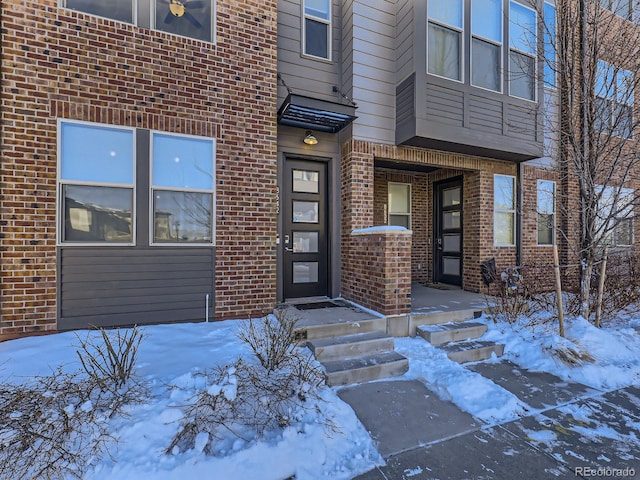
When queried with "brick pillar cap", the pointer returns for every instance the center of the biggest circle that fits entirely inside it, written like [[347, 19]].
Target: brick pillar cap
[[382, 230]]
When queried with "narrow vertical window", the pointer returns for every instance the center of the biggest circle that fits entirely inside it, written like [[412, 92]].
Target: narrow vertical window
[[546, 212], [549, 45], [522, 51], [486, 44], [182, 183], [96, 183], [317, 28], [504, 210], [614, 100], [445, 38], [400, 204]]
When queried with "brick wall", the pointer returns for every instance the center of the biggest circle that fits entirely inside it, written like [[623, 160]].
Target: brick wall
[[380, 266], [59, 63]]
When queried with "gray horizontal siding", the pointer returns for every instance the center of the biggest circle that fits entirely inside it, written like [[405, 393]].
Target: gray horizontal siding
[[486, 114], [123, 286], [522, 122], [445, 104]]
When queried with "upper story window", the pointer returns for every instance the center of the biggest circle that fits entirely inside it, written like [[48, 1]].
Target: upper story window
[[96, 183], [486, 44], [188, 18], [522, 51], [614, 100], [619, 7], [316, 28], [122, 10], [445, 38], [549, 45]]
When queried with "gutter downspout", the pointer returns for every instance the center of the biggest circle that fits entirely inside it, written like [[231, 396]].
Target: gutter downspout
[[519, 203]]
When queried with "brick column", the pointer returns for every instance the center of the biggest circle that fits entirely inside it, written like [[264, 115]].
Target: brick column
[[380, 270]]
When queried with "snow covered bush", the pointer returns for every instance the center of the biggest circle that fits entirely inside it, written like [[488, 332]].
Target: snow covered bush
[[56, 426], [253, 397]]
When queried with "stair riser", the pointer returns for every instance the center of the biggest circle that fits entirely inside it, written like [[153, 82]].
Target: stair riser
[[453, 335], [476, 354], [367, 374], [352, 350], [347, 328]]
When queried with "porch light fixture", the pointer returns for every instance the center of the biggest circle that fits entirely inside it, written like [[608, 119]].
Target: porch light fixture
[[309, 138]]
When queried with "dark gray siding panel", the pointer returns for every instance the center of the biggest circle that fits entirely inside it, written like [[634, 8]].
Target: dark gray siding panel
[[486, 114], [446, 104], [522, 122], [124, 286]]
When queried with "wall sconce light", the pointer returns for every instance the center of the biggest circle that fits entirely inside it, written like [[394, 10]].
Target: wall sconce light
[[309, 138]]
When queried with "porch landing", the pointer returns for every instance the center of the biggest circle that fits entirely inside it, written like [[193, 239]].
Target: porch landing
[[444, 299]]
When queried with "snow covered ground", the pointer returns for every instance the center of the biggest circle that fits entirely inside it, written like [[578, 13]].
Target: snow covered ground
[[171, 356]]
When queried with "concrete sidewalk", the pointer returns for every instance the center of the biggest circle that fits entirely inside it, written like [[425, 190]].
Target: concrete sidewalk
[[571, 432]]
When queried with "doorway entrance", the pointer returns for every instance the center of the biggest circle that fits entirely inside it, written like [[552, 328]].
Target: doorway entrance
[[304, 236], [447, 232]]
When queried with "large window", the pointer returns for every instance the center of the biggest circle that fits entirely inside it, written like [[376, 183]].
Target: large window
[[400, 204], [546, 211], [619, 7], [317, 28], [182, 188], [614, 98], [445, 38], [522, 51], [188, 18], [486, 44], [615, 216], [96, 183], [504, 210]]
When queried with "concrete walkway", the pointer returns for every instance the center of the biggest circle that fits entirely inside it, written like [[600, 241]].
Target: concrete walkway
[[572, 431]]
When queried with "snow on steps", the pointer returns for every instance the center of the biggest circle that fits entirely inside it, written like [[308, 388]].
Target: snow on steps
[[458, 339]]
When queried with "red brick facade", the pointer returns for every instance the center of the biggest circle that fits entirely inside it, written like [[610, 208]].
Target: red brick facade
[[57, 63]]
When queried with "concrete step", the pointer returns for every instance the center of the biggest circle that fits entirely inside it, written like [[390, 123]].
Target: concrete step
[[451, 332], [350, 346], [338, 329], [436, 318], [463, 352], [365, 369]]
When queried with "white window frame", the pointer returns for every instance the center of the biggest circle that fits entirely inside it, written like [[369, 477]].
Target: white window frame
[[399, 214], [623, 214], [61, 182], [328, 23], [611, 99], [500, 45], [153, 188], [507, 211], [461, 53], [527, 54], [538, 212]]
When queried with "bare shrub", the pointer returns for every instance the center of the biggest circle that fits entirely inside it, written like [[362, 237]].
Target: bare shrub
[[56, 426], [622, 284], [111, 362], [256, 397], [53, 428], [272, 340], [509, 296]]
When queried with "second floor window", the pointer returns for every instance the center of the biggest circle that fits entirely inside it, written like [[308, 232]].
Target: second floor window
[[486, 44], [619, 7], [445, 38], [317, 28], [614, 100], [188, 18], [522, 51]]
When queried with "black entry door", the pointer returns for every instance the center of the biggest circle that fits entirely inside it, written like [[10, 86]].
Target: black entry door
[[304, 239], [448, 232]]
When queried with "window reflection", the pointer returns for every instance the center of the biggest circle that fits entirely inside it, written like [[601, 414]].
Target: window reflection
[[182, 217], [97, 214]]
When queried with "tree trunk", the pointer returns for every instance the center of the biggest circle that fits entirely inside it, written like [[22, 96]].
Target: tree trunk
[[603, 276]]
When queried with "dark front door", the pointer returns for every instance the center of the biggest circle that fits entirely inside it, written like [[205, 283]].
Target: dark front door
[[448, 232], [304, 239]]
